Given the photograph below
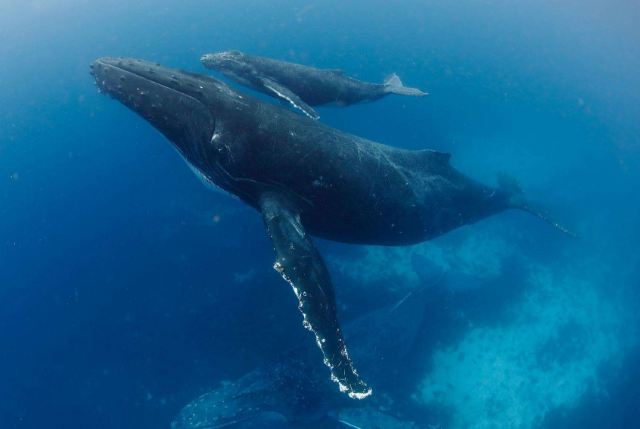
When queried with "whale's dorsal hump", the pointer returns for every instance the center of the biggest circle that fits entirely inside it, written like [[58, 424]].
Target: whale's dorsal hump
[[335, 71], [509, 183], [434, 156]]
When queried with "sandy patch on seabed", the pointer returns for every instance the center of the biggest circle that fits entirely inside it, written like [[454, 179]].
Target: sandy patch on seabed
[[480, 254], [572, 323], [512, 376]]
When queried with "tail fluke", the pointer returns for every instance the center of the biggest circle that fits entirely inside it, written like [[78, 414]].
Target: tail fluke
[[394, 86], [519, 201]]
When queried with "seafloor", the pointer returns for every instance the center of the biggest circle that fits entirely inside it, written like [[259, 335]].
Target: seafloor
[[539, 337]]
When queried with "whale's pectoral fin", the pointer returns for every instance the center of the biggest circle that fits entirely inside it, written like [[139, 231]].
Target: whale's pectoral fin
[[300, 264], [284, 93]]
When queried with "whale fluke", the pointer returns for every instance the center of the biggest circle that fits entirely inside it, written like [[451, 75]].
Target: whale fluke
[[394, 85]]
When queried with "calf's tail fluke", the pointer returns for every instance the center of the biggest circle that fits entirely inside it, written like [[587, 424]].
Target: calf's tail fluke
[[520, 202], [394, 85]]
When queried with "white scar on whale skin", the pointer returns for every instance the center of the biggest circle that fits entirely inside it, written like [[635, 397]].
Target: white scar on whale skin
[[349, 424], [400, 303], [290, 101]]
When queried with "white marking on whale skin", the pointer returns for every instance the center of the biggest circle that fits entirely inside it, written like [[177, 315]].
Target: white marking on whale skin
[[349, 424], [297, 228], [290, 101], [400, 303]]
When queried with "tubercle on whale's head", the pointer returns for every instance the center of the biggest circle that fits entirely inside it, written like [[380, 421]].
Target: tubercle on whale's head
[[223, 60], [231, 64], [184, 106]]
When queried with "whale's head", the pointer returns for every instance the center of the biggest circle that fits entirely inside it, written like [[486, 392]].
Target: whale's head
[[185, 107], [231, 64], [222, 59]]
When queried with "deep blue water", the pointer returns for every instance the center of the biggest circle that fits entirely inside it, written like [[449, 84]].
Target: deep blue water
[[119, 295]]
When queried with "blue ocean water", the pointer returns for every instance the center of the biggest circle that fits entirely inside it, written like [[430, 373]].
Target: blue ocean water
[[127, 289]]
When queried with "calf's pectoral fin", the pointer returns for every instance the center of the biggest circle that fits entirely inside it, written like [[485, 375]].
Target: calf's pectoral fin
[[300, 264], [284, 93]]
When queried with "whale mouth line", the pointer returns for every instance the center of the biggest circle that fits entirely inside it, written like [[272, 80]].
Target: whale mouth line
[[147, 78]]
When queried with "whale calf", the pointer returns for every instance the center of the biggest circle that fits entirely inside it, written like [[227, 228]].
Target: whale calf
[[299, 85], [306, 179]]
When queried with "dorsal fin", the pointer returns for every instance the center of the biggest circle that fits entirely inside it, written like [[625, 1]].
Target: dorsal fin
[[393, 80], [509, 183], [435, 156], [335, 71]]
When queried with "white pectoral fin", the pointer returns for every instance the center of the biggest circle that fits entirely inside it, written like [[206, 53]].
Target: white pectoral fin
[[300, 264], [284, 93]]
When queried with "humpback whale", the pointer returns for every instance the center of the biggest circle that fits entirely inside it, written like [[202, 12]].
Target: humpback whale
[[288, 391], [299, 85], [306, 179]]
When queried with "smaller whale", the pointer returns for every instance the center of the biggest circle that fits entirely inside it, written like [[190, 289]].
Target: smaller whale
[[299, 85]]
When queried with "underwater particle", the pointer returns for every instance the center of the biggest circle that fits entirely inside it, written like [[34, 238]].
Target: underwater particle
[[216, 219], [14, 176]]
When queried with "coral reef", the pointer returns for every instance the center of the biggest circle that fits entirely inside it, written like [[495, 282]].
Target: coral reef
[[512, 376]]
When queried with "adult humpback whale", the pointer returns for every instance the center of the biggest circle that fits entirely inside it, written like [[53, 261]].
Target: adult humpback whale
[[299, 85], [306, 179]]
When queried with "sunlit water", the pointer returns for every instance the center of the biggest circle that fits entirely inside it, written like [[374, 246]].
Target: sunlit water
[[127, 289]]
